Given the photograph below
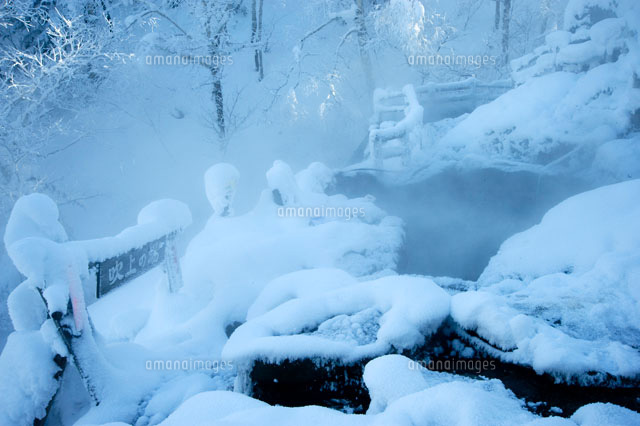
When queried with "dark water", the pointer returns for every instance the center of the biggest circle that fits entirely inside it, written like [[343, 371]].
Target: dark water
[[456, 221]]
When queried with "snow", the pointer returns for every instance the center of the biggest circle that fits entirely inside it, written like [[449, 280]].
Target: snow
[[600, 413], [207, 407], [28, 384], [155, 220], [220, 182], [362, 320], [401, 395], [615, 161], [413, 113], [280, 178], [34, 215], [389, 378], [305, 283], [26, 309], [173, 393], [295, 277], [255, 248], [563, 299]]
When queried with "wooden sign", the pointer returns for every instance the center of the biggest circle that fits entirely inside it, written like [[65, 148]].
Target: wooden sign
[[118, 270]]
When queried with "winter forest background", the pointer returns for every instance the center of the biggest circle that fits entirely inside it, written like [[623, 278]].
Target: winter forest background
[[108, 105], [86, 118]]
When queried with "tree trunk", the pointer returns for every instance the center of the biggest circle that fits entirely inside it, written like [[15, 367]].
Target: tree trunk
[[363, 38], [506, 17], [216, 93], [216, 38], [261, 66], [496, 23], [256, 35], [216, 76]]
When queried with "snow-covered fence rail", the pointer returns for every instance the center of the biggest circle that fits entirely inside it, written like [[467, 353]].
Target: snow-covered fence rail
[[48, 309], [396, 113], [117, 260], [378, 134]]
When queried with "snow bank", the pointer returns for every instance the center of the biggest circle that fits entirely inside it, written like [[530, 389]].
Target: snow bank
[[391, 377], [360, 321], [34, 215], [600, 414], [581, 92], [172, 394], [208, 407], [220, 183], [227, 265], [403, 396], [229, 408], [36, 243], [563, 296], [159, 218], [27, 382], [305, 283]]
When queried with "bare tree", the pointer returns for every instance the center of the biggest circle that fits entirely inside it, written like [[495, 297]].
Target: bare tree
[[256, 36], [506, 18], [363, 40], [216, 17], [50, 64]]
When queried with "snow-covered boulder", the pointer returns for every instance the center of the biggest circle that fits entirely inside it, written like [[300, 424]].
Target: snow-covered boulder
[[564, 296], [28, 378], [304, 283], [391, 377], [359, 321]]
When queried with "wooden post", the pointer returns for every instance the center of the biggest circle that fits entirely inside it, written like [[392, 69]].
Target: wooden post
[[172, 264]]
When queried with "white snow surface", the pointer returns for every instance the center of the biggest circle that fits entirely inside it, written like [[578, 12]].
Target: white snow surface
[[564, 296], [27, 385], [362, 320], [220, 182], [305, 283], [414, 397]]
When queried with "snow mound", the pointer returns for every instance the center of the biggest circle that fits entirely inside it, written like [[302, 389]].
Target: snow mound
[[27, 382], [564, 296], [360, 321], [600, 414], [34, 215], [391, 377], [207, 407], [413, 400], [220, 182], [227, 265], [305, 283]]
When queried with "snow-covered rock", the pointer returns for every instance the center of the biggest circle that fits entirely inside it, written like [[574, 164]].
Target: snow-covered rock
[[360, 321], [27, 381], [564, 296], [413, 401], [391, 377]]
